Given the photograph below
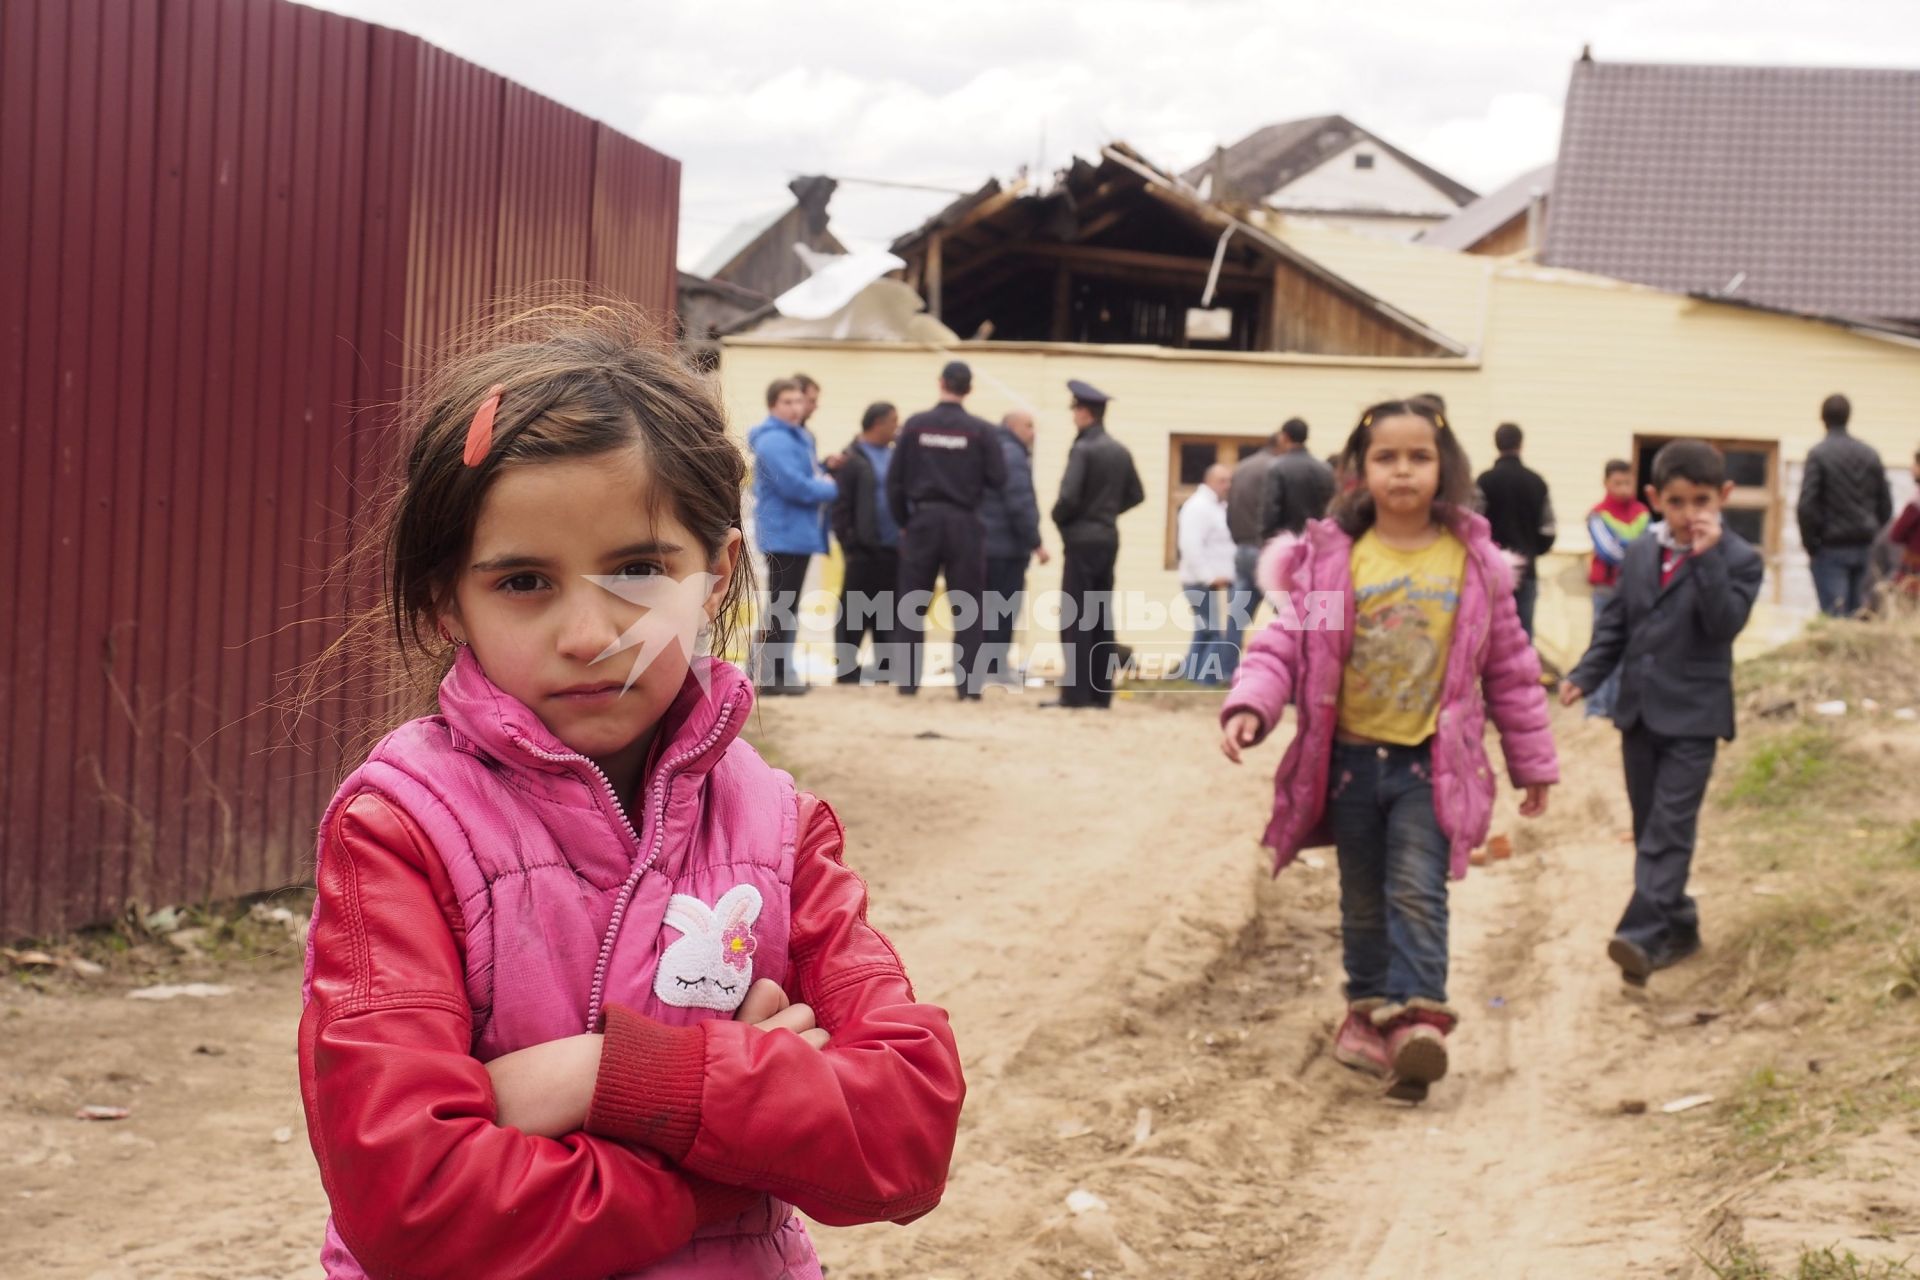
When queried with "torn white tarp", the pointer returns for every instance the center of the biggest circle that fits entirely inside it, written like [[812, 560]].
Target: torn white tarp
[[849, 299], [836, 281]]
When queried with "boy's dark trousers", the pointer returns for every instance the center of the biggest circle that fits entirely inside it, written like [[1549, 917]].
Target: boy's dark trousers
[[1666, 781], [867, 603]]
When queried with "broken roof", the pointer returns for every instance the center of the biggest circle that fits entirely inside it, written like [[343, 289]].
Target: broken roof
[[1489, 213], [1268, 159], [1789, 187], [1020, 212]]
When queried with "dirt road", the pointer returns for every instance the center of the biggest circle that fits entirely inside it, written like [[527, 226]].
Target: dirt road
[[1142, 1014]]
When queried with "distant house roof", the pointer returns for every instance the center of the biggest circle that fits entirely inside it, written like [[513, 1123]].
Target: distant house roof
[[1787, 187], [738, 240], [1489, 213], [759, 254], [1268, 159]]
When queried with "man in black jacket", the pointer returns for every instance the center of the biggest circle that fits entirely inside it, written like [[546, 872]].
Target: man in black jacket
[[944, 464], [1100, 483], [1246, 520], [1011, 515], [1685, 592], [869, 545], [1845, 502], [1521, 514], [1299, 486]]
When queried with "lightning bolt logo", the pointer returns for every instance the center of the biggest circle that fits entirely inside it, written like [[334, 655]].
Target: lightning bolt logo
[[674, 612]]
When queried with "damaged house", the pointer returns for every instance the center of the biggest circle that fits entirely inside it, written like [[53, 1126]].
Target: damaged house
[[1121, 252]]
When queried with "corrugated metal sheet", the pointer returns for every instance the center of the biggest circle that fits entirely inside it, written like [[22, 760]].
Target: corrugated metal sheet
[[237, 226]]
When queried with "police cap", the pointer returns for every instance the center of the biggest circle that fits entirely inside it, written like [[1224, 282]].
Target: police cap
[[1087, 394]]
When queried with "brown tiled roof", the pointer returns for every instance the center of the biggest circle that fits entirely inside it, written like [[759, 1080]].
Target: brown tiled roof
[[1803, 183]]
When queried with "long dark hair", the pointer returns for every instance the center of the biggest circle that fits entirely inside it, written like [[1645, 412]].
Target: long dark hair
[[1353, 510]]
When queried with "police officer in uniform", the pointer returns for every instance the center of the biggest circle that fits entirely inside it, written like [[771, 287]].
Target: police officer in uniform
[[943, 464], [1100, 483]]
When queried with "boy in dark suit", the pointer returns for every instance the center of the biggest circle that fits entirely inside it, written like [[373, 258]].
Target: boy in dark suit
[[1685, 592]]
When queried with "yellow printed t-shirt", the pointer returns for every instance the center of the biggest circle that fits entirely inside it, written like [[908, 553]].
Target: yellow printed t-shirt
[[1404, 604]]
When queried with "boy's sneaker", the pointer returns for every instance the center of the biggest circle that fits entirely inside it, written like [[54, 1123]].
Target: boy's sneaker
[[1635, 964], [1358, 1044], [1416, 1035]]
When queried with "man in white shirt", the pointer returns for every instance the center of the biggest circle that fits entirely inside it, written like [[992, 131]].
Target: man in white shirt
[[1206, 574]]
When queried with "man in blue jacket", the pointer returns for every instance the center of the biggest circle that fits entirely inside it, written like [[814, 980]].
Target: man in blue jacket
[[792, 494], [1011, 514]]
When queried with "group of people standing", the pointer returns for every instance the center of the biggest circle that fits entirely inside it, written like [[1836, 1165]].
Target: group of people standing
[[1220, 530], [951, 495], [944, 495]]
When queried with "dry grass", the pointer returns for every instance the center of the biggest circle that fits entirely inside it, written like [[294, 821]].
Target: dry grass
[[1813, 898], [1837, 660], [1741, 1263]]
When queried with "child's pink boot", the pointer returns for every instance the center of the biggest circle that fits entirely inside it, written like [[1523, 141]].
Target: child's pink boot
[[1358, 1044], [1416, 1036]]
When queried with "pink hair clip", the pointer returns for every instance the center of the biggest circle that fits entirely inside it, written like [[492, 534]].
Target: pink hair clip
[[480, 431]]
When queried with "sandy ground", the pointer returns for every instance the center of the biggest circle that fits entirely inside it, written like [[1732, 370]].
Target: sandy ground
[[1143, 1016]]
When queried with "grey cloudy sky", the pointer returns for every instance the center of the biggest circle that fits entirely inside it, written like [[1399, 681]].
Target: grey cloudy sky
[[748, 93]]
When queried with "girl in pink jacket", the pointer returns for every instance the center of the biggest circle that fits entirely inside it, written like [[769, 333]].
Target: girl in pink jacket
[[1395, 636], [590, 989]]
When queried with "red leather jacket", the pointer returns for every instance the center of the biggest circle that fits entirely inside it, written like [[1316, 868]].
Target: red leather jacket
[[401, 1115]]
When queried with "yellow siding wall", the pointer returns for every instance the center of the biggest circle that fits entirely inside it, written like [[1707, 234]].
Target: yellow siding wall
[[1583, 365]]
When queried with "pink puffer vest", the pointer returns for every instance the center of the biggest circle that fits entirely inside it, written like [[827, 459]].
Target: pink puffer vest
[[569, 907], [1491, 669]]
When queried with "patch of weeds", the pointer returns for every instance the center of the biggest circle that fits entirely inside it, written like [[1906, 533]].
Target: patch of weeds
[[1783, 769], [1906, 967], [1782, 1117], [1767, 942], [1907, 846], [1742, 1263], [1763, 1114], [1825, 1264]]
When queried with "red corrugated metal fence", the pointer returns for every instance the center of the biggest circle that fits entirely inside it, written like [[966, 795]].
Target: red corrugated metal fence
[[231, 232]]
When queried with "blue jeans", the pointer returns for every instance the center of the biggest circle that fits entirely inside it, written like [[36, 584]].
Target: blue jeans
[[1840, 580], [1393, 873], [1526, 591], [1246, 593], [1213, 655], [1600, 701]]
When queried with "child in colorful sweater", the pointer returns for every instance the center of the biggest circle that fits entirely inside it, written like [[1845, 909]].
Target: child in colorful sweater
[[1613, 524]]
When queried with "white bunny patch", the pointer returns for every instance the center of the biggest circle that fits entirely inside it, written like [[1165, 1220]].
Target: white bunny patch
[[710, 965]]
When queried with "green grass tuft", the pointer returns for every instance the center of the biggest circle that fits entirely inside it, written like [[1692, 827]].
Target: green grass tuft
[[1784, 769], [1742, 1263]]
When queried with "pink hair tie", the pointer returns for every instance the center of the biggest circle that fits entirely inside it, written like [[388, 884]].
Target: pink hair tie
[[480, 431]]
